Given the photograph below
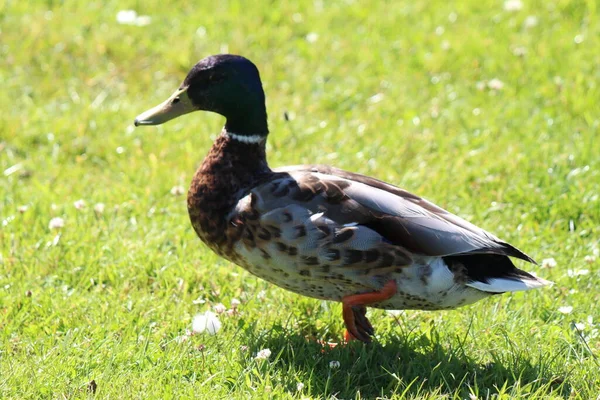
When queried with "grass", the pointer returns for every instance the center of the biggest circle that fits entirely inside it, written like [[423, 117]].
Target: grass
[[395, 90]]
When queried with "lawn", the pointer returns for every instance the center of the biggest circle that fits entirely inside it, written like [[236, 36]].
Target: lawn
[[487, 108]]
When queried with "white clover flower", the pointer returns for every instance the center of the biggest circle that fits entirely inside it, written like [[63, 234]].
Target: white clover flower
[[513, 5], [589, 259], [206, 322], [334, 364], [22, 209], [312, 37], [531, 21], [56, 223], [235, 303], [263, 354], [219, 308], [495, 84], [131, 17], [579, 326], [577, 272], [182, 339], [126, 17], [99, 208], [300, 386], [177, 190], [565, 309], [549, 263], [79, 204]]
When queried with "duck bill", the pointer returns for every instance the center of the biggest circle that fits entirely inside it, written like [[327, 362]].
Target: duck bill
[[178, 104]]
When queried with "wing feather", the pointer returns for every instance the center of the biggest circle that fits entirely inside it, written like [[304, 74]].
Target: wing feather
[[400, 217]]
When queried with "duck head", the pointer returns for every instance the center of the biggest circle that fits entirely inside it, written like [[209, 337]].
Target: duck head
[[226, 84]]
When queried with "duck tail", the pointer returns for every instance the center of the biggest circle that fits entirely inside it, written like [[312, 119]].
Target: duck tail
[[494, 273], [515, 283]]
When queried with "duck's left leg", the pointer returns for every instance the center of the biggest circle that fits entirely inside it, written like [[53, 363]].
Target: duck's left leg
[[355, 310]]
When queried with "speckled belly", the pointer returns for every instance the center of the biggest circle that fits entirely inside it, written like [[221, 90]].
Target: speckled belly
[[427, 287]]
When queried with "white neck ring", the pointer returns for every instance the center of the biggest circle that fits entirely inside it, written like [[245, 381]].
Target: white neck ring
[[251, 139]]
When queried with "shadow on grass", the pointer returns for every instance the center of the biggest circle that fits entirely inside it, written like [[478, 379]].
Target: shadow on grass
[[412, 366]]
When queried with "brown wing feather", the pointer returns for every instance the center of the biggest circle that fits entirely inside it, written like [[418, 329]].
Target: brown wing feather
[[399, 216]]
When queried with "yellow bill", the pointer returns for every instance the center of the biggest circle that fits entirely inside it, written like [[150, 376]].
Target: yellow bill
[[178, 104]]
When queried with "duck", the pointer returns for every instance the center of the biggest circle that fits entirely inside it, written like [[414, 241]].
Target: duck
[[323, 232]]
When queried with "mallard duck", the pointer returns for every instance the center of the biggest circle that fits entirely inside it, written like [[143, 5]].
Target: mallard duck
[[320, 231]]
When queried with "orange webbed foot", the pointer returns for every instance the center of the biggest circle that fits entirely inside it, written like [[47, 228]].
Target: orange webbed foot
[[355, 312]]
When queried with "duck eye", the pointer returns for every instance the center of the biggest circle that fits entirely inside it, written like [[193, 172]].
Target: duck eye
[[216, 77], [176, 100]]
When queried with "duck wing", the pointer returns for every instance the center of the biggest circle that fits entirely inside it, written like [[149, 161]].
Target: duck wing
[[400, 217]]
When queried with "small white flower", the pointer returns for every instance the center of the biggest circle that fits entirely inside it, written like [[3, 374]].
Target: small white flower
[[99, 208], [480, 85], [376, 98], [263, 354], [235, 303], [549, 263], [513, 5], [182, 339], [126, 17], [261, 295], [206, 322], [495, 84], [531, 21], [300, 386], [589, 259], [577, 272], [131, 17], [199, 300], [219, 308], [22, 209], [177, 190], [580, 326], [56, 223], [79, 204], [334, 364], [565, 309], [312, 37]]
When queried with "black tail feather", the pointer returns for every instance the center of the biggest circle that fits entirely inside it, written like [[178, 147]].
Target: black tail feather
[[482, 267]]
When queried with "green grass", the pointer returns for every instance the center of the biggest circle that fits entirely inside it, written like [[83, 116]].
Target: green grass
[[391, 89]]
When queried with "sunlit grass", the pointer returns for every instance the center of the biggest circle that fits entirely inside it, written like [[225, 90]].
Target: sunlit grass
[[488, 109]]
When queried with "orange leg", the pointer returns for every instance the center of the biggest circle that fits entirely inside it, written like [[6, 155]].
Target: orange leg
[[354, 311]]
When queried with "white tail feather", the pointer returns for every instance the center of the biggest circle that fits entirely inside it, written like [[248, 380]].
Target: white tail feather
[[500, 285]]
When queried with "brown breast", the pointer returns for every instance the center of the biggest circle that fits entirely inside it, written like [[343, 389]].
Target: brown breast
[[229, 171]]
